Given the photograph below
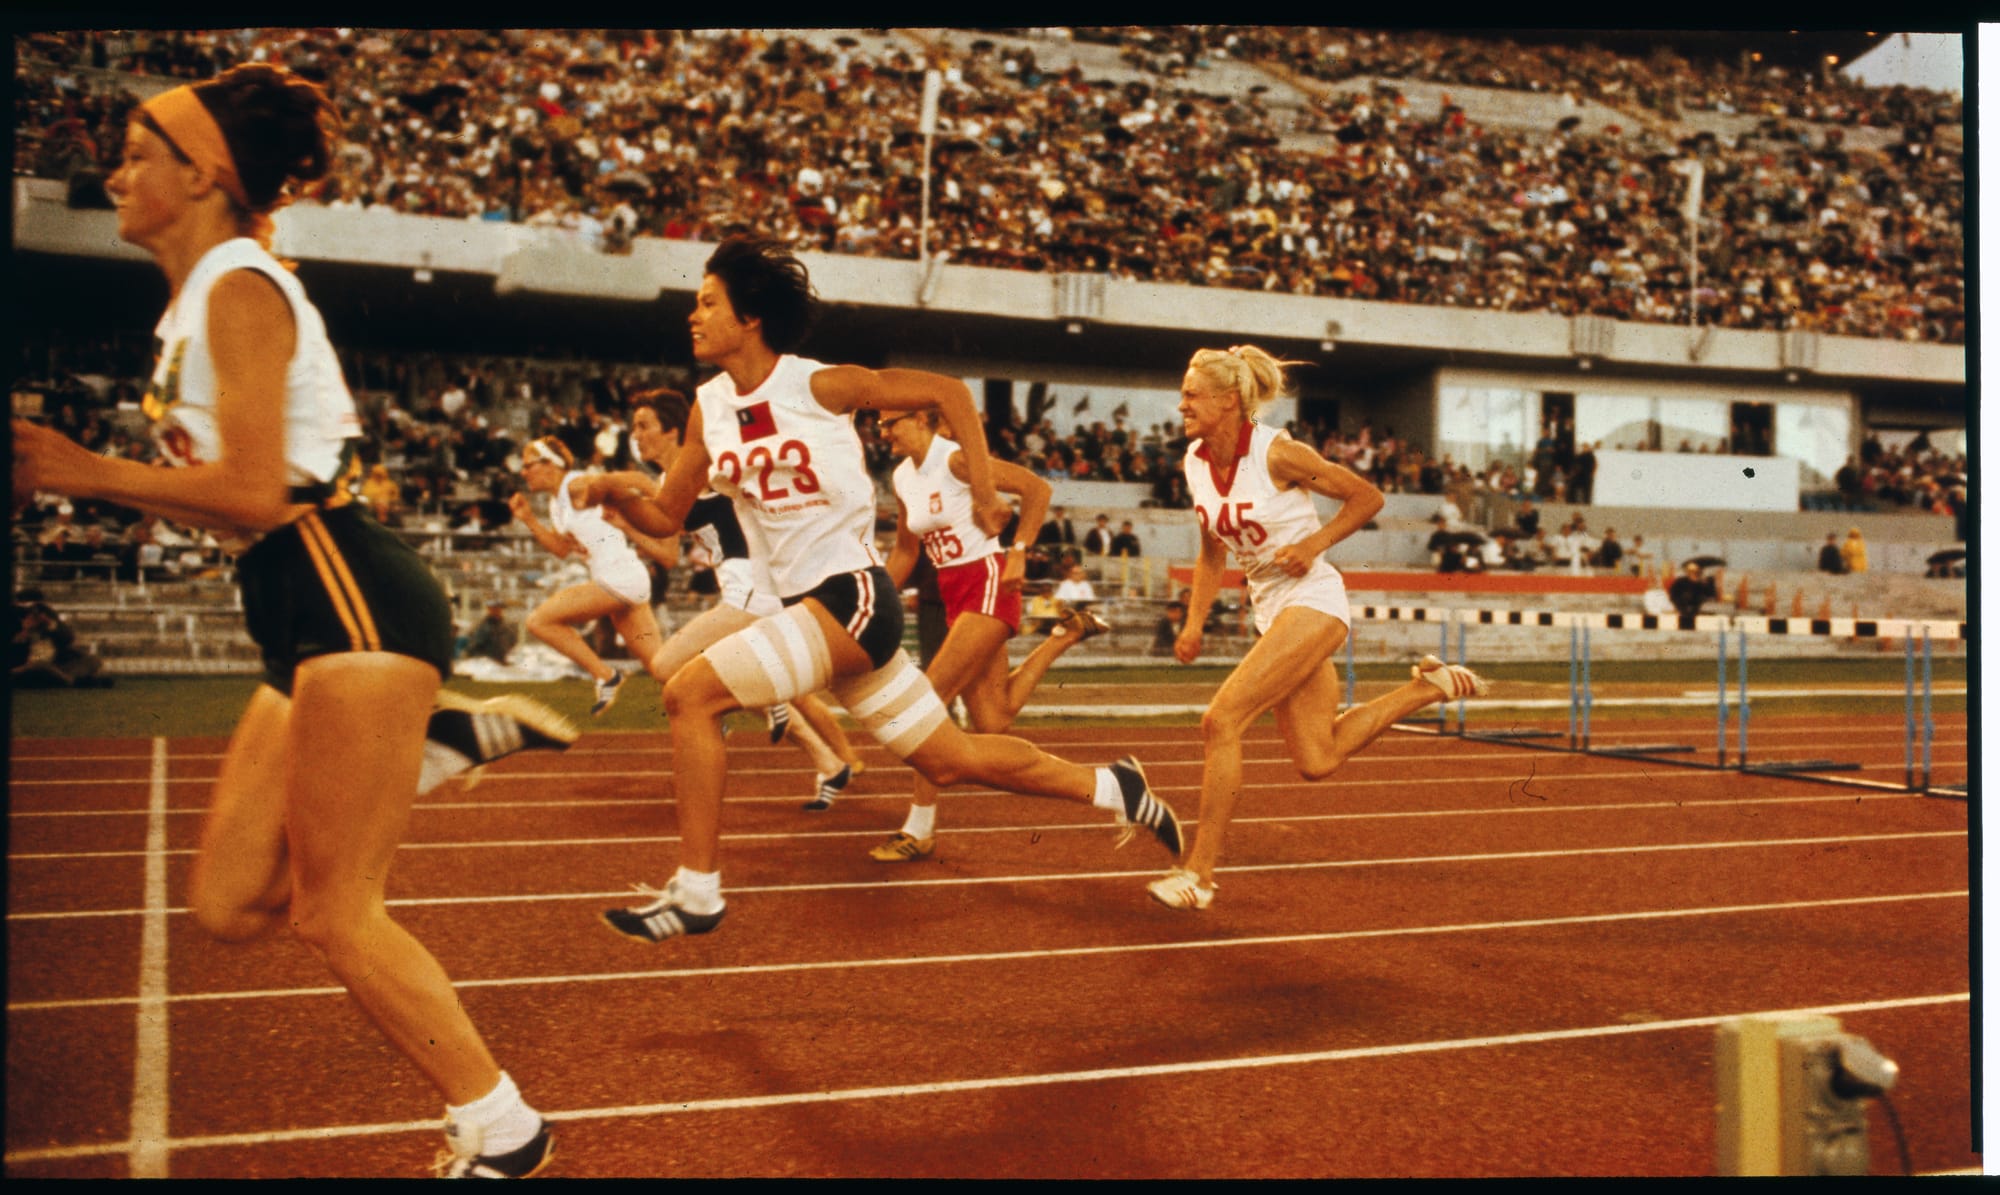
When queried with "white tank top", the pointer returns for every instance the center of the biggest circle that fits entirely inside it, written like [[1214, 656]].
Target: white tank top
[[320, 420], [937, 508], [1243, 506], [607, 546], [796, 473]]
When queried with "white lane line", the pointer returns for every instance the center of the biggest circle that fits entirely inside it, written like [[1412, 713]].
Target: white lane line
[[1050, 952], [150, 1131], [1002, 1082], [1051, 826], [964, 881]]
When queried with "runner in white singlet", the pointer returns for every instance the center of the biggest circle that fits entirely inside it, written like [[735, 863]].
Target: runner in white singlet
[[745, 594], [979, 579], [1252, 487], [620, 588], [776, 433]]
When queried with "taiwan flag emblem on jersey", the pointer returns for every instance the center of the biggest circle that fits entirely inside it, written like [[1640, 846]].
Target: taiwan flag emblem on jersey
[[754, 422]]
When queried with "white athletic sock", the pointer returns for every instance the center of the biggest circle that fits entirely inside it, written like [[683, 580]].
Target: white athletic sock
[[700, 891], [500, 1121], [441, 763], [922, 822], [1109, 795]]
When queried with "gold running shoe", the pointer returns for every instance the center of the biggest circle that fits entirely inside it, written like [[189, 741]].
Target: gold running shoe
[[1084, 624], [903, 848]]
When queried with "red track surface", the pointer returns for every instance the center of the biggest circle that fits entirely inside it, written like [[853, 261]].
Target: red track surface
[[1456, 959]]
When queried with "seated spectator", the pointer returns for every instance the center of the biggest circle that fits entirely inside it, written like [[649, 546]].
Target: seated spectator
[[1097, 540], [1854, 552], [1447, 553], [1076, 590], [1609, 551], [1126, 542], [493, 637], [1041, 613], [1830, 559], [1691, 589], [44, 653], [1167, 629], [382, 494]]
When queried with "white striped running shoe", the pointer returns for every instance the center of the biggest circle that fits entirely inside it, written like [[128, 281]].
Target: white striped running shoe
[[1455, 681], [1182, 889]]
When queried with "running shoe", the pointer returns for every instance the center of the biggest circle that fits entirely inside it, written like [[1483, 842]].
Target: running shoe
[[829, 788], [779, 719], [1143, 809], [465, 734], [1453, 680], [607, 692], [1084, 624], [1182, 889], [903, 848], [463, 1159], [662, 918]]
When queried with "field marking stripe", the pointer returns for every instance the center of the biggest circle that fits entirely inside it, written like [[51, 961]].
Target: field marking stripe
[[1896, 794], [1583, 762], [411, 902], [1054, 952], [1002, 1082], [150, 1127]]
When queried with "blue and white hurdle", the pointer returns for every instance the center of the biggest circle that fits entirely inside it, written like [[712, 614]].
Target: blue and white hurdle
[[1919, 734]]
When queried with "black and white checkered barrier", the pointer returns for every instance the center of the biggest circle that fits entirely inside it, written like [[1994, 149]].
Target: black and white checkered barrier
[[1838, 628]]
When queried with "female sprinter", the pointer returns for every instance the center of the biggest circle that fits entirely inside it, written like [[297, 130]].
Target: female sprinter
[[1252, 488], [619, 587], [319, 776], [980, 580], [745, 594], [776, 433]]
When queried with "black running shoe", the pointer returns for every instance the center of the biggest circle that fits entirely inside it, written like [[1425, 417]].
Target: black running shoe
[[606, 692], [521, 1163], [1142, 808], [779, 719], [662, 919], [829, 788], [465, 734]]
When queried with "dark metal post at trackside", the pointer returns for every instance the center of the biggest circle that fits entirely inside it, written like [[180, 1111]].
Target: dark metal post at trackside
[[1444, 653], [1909, 711], [1588, 695], [1929, 726], [1350, 665], [1573, 695], [1722, 698], [1742, 698], [1461, 663]]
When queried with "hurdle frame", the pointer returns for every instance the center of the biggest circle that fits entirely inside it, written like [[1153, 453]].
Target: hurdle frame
[[1582, 695]]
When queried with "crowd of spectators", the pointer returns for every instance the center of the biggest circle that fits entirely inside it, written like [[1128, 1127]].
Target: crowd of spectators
[[616, 134]]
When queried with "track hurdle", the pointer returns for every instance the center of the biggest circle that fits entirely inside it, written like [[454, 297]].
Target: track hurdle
[[1917, 746]]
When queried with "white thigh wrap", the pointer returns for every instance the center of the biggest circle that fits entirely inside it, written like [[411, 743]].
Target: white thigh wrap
[[774, 659], [895, 704]]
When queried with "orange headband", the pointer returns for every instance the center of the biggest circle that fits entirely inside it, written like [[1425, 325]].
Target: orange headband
[[187, 123]]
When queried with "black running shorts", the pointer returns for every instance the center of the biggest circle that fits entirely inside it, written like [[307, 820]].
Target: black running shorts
[[337, 581], [867, 604]]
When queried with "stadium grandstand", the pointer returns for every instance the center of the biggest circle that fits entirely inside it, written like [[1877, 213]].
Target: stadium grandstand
[[1703, 296], [1655, 345]]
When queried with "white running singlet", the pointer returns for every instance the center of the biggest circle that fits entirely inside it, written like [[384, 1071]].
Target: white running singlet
[[796, 472], [937, 508], [613, 562], [1241, 504], [320, 420]]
